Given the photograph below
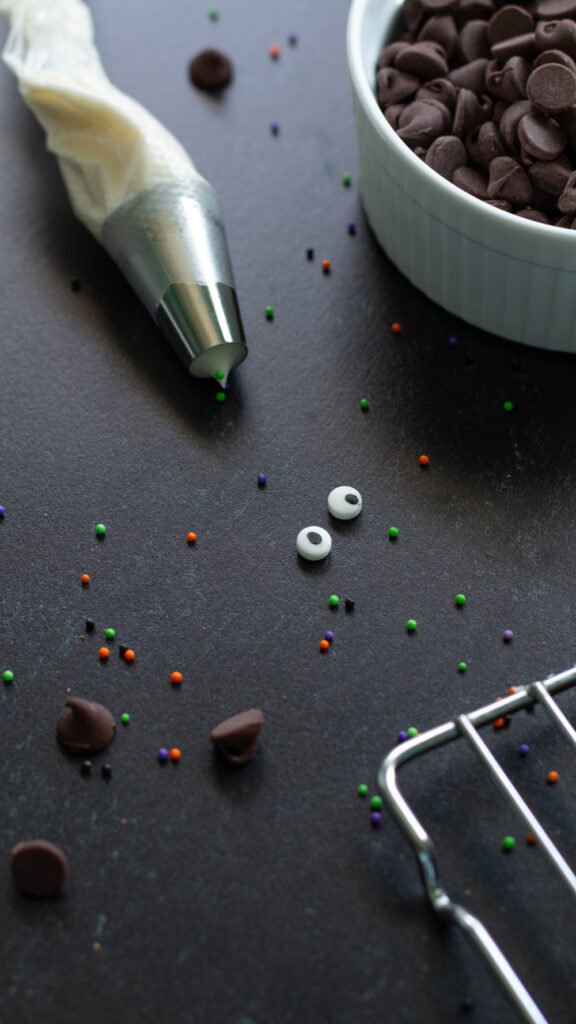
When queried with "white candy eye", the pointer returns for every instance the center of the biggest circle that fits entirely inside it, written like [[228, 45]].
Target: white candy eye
[[314, 543], [345, 502]]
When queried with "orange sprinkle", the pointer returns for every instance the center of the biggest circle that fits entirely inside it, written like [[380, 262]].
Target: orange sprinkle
[[553, 777], [424, 460], [499, 723], [511, 689], [104, 652], [175, 754], [129, 655], [85, 578], [176, 677], [324, 645], [191, 537], [275, 51], [530, 838], [326, 265], [396, 328]]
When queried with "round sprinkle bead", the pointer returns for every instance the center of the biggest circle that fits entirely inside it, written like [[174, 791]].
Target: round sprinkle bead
[[364, 404], [345, 502], [220, 396], [507, 635], [329, 635], [313, 543], [396, 328], [452, 341], [411, 625], [333, 600], [347, 180], [424, 460], [190, 537], [412, 732], [376, 803], [104, 653], [125, 718], [84, 579], [362, 789], [402, 736], [524, 749], [219, 375], [275, 128], [552, 778], [163, 754], [175, 754], [460, 599], [109, 634], [393, 532], [129, 655], [508, 843], [100, 530], [2, 510], [293, 39], [261, 479], [324, 645], [8, 676], [214, 14], [274, 52], [269, 312], [508, 406], [462, 666], [351, 228], [375, 819], [176, 678]]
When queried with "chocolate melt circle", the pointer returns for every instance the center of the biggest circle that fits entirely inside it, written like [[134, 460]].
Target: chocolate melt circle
[[38, 867], [85, 727]]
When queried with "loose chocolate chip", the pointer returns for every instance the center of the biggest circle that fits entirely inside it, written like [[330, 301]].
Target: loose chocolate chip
[[438, 5], [508, 124], [557, 35], [470, 112], [39, 868], [392, 113], [508, 180], [471, 181], [388, 54], [552, 88], [470, 76], [423, 121], [441, 28], [551, 175], [567, 201], [536, 215], [557, 9], [413, 13], [85, 727], [500, 204], [484, 144], [210, 70], [237, 737], [554, 57], [516, 46], [440, 89], [509, 82], [425, 60], [567, 221], [508, 22], [395, 86], [445, 155], [473, 40], [468, 10], [541, 136]]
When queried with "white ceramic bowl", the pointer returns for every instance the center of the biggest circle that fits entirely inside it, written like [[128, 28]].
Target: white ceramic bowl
[[510, 276]]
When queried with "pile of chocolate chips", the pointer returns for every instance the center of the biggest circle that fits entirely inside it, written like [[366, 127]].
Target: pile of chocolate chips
[[485, 94]]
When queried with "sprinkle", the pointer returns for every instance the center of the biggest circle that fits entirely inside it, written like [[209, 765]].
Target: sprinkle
[[84, 579], [86, 767], [376, 819], [129, 655], [269, 312], [362, 789], [220, 396], [261, 479], [393, 532], [110, 634], [524, 749], [499, 723], [100, 529], [90, 625], [396, 328], [462, 666], [122, 650], [507, 635], [8, 676], [175, 754], [176, 678], [75, 284], [106, 770], [411, 625], [511, 689], [508, 406], [508, 843], [552, 777], [333, 600], [219, 375], [351, 228], [324, 645], [349, 604], [104, 653], [275, 51], [452, 341], [347, 180], [125, 718], [402, 736], [163, 754], [326, 266], [293, 39], [460, 599], [376, 803], [412, 732], [530, 839], [424, 460], [190, 537], [214, 14], [309, 254], [364, 404], [275, 128], [329, 635]]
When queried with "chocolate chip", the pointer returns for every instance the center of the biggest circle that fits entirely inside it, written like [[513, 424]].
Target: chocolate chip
[[468, 10], [441, 28], [237, 737], [516, 46], [445, 155], [471, 181], [395, 86], [551, 175], [536, 215], [470, 112], [473, 40], [470, 76], [210, 70], [554, 57], [541, 136], [484, 144], [39, 868], [388, 54], [426, 60], [508, 180], [85, 727], [508, 22], [423, 121], [509, 82], [392, 113], [557, 9], [552, 88], [500, 204], [439, 5], [508, 124], [440, 89], [557, 35], [567, 201]]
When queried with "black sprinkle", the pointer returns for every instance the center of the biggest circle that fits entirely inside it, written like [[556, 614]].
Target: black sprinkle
[[349, 604], [86, 767], [351, 499], [106, 770], [90, 625], [467, 1004], [470, 358], [76, 284], [122, 650], [507, 721], [309, 254], [313, 537]]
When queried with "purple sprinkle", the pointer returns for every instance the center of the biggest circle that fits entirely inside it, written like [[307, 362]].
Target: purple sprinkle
[[2, 510], [507, 635], [402, 736], [329, 635], [293, 39], [524, 749], [351, 228], [452, 341], [261, 479], [275, 128], [163, 754], [375, 818]]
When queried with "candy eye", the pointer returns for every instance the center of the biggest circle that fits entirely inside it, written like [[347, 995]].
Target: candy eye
[[313, 543], [345, 502]]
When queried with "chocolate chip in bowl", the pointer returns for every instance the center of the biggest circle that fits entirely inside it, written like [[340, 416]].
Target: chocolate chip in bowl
[[466, 123]]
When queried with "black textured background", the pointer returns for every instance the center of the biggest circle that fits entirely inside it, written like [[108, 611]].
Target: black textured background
[[263, 896]]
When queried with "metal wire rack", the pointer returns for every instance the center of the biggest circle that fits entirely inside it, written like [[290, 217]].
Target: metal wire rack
[[467, 726]]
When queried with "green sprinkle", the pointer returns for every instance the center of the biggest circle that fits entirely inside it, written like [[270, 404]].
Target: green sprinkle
[[346, 179], [220, 396], [411, 625], [334, 600], [364, 403], [219, 375], [411, 732], [124, 718], [462, 666], [376, 803], [362, 789], [508, 843], [269, 312], [508, 406], [393, 532], [109, 634], [214, 13], [8, 676], [460, 599], [100, 529]]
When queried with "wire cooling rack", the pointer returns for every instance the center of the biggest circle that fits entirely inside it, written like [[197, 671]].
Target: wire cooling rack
[[467, 726]]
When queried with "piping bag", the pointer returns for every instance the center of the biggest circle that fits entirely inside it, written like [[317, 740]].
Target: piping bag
[[130, 182]]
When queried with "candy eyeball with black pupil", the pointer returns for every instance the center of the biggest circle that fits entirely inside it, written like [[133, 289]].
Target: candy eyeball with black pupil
[[313, 543], [345, 503]]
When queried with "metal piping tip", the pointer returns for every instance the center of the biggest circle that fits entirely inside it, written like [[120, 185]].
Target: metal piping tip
[[170, 244]]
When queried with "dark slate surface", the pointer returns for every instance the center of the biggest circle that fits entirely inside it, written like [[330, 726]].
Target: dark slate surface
[[262, 896]]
